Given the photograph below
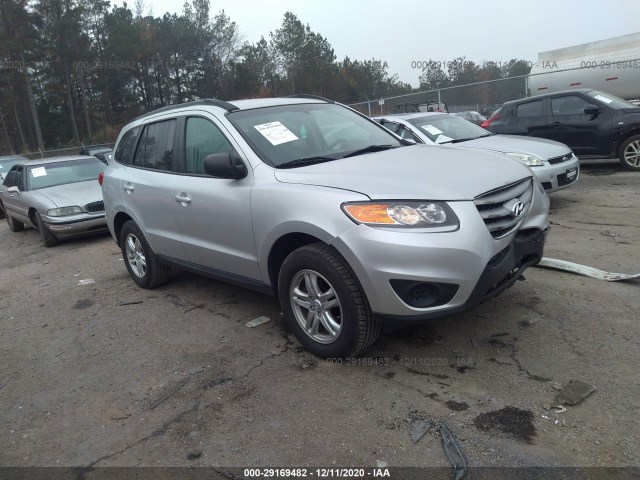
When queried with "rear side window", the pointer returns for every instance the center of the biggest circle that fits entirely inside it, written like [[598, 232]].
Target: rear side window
[[530, 109], [127, 146], [203, 138], [156, 149]]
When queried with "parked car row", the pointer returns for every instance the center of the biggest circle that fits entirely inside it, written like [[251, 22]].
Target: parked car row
[[593, 124], [349, 225], [554, 164]]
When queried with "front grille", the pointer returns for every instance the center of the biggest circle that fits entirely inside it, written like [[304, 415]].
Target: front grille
[[560, 159], [94, 207], [496, 207]]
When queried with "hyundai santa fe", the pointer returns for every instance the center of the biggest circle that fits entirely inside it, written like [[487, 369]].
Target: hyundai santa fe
[[348, 225]]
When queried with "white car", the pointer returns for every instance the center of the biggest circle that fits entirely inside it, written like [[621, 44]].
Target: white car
[[554, 163]]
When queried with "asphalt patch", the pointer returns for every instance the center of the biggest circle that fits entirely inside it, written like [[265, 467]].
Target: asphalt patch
[[83, 304], [510, 420], [457, 406]]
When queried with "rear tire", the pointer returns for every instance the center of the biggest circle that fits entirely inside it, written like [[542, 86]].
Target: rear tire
[[629, 153], [14, 225], [143, 265], [324, 304], [48, 238]]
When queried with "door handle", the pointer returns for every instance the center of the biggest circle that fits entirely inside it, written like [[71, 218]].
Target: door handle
[[183, 198], [128, 188], [557, 125]]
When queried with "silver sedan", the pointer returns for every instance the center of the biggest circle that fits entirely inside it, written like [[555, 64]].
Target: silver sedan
[[554, 163], [60, 197]]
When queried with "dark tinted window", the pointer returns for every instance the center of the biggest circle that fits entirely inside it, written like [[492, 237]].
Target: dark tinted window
[[156, 147], [9, 181], [569, 105], [530, 109], [203, 138], [18, 178], [126, 147]]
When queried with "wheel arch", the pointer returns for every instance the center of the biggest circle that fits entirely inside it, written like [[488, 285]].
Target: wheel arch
[[118, 222], [624, 137], [281, 249]]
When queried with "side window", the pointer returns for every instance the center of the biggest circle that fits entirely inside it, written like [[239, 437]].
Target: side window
[[156, 149], [530, 109], [18, 178], [406, 133], [202, 139], [390, 126], [10, 180], [127, 146], [569, 105]]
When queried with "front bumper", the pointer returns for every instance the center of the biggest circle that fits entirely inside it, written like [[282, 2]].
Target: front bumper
[[76, 226], [469, 265], [559, 176]]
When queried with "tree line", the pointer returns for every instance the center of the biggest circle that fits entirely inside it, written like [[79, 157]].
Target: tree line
[[75, 71]]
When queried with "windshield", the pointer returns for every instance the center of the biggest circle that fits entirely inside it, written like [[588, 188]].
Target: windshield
[[63, 173], [447, 128], [610, 100], [298, 135]]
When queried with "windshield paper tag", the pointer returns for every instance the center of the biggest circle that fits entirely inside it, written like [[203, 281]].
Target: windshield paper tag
[[603, 99], [276, 133], [431, 129], [39, 172]]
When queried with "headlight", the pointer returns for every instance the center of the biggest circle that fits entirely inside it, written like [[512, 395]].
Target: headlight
[[402, 214], [64, 211], [528, 160]]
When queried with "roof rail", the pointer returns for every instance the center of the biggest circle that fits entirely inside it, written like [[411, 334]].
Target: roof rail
[[229, 107], [313, 97]]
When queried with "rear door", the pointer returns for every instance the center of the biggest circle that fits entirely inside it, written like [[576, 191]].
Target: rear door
[[147, 187], [528, 118], [586, 135]]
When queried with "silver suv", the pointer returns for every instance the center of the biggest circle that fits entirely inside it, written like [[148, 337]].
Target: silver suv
[[347, 224]]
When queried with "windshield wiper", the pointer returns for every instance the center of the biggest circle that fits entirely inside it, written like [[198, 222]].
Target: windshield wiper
[[458, 140], [300, 162], [369, 149]]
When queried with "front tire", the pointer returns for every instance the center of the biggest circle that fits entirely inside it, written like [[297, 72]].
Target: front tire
[[48, 238], [143, 265], [324, 304], [630, 153], [14, 225]]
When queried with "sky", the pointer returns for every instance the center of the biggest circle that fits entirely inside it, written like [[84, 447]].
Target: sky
[[408, 31]]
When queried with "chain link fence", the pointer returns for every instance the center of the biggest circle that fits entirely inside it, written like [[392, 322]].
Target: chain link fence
[[62, 152], [621, 78]]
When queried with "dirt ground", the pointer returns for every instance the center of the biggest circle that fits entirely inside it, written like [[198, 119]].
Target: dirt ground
[[107, 374]]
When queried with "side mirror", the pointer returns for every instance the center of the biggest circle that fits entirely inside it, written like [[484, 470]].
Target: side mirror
[[225, 165], [591, 110], [13, 190]]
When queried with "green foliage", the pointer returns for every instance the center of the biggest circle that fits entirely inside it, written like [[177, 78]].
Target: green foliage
[[92, 67]]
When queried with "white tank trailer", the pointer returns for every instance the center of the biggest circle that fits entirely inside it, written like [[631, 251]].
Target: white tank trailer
[[611, 65]]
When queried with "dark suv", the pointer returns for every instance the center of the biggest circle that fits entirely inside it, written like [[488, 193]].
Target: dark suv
[[592, 123]]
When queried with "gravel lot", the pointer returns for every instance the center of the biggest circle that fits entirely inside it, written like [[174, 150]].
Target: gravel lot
[[107, 374]]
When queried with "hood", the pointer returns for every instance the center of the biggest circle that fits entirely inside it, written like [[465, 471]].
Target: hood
[[417, 172], [539, 147], [79, 193]]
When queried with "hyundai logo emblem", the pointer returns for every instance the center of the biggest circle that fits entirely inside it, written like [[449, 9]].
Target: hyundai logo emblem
[[517, 208]]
